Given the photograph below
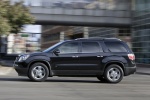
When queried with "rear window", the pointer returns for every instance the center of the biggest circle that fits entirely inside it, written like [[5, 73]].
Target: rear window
[[116, 47]]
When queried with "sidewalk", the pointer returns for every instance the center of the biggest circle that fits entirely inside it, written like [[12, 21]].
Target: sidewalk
[[143, 69], [6, 70]]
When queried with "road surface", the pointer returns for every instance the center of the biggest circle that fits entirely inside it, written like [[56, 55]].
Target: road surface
[[13, 87]]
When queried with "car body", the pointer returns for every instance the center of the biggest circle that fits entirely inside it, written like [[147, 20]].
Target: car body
[[108, 59]]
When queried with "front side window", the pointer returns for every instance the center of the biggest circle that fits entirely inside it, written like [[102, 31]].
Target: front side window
[[115, 47], [69, 48], [91, 47]]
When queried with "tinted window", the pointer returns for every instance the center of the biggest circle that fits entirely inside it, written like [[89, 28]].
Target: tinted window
[[115, 47], [91, 47], [69, 48]]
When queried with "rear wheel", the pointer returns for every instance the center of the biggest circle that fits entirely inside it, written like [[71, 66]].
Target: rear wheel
[[113, 73], [38, 72]]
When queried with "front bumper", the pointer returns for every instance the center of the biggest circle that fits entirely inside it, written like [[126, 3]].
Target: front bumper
[[130, 70], [20, 69]]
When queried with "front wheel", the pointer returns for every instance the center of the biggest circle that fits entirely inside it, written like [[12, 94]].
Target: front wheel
[[113, 73], [38, 72]]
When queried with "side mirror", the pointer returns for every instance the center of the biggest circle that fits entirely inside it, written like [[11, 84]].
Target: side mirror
[[57, 51]]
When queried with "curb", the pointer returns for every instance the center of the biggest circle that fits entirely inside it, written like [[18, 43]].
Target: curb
[[143, 65], [141, 73]]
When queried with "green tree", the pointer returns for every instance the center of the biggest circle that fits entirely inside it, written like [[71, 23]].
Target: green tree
[[5, 27], [4, 23], [13, 17]]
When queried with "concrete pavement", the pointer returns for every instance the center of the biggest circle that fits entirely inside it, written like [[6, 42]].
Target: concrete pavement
[[14, 87], [134, 87]]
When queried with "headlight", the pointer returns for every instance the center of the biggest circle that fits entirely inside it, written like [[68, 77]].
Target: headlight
[[23, 57]]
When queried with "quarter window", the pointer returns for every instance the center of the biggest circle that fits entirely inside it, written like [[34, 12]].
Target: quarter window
[[115, 47], [69, 48], [91, 47]]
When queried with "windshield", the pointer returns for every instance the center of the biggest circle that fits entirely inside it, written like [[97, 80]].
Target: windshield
[[52, 47]]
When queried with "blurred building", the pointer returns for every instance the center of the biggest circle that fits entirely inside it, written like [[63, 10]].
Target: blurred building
[[23, 43], [114, 13], [3, 44], [141, 31], [125, 19], [54, 34]]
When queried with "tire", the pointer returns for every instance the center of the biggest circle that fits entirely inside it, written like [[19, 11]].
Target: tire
[[38, 72], [101, 78], [113, 74]]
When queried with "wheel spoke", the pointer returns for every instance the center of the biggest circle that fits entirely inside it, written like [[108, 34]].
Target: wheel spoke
[[113, 74], [35, 75], [39, 67], [34, 70], [38, 72], [114, 77]]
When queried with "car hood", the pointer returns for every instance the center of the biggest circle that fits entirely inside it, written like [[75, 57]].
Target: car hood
[[36, 54], [40, 54]]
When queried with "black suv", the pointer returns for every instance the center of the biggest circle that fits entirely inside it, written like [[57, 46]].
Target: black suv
[[108, 59]]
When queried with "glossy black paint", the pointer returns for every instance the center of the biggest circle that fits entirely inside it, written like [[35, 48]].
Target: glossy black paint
[[80, 63]]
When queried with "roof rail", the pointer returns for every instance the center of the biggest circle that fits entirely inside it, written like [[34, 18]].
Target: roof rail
[[97, 38], [92, 38], [113, 38]]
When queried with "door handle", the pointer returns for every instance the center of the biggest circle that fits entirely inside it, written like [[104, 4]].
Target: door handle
[[75, 56], [99, 56]]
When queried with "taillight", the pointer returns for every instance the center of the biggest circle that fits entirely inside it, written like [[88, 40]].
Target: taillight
[[131, 56]]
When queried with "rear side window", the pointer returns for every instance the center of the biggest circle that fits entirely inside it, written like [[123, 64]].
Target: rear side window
[[116, 47], [91, 47]]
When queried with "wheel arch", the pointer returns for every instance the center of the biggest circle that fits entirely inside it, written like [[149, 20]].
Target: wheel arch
[[41, 61], [121, 64]]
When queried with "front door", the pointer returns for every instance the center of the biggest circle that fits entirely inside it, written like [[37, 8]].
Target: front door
[[66, 61]]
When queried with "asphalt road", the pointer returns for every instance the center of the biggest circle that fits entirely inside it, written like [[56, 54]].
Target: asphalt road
[[13, 87]]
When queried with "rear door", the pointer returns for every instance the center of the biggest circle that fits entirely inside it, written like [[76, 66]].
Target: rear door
[[91, 57]]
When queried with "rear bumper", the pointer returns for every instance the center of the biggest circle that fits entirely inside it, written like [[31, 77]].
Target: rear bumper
[[130, 70]]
